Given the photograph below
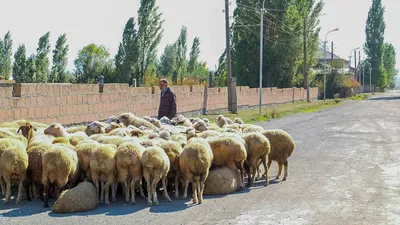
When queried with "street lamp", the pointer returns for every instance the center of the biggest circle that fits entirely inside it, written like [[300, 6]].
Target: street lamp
[[354, 59], [337, 29]]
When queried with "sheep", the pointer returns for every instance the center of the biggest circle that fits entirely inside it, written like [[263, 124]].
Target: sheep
[[195, 162], [258, 147], [112, 119], [72, 130], [123, 132], [228, 120], [94, 127], [81, 198], [102, 168], [13, 166], [156, 165], [206, 134], [129, 167], [229, 152], [28, 131], [60, 140], [252, 128], [165, 120], [61, 167], [200, 126], [165, 134], [181, 120], [155, 122], [57, 130], [84, 152], [239, 121], [221, 181], [221, 121], [130, 119], [282, 147], [112, 127], [207, 121], [173, 150]]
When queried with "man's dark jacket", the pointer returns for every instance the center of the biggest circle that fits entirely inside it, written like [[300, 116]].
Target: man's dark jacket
[[167, 105]]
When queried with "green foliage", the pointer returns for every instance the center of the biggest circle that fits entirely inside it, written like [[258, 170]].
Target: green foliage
[[383, 78], [149, 35], [30, 69], [42, 59], [389, 63], [168, 60], [128, 53], [220, 74], [194, 55], [283, 42], [19, 65], [180, 66], [373, 47], [60, 61], [5, 56], [92, 62]]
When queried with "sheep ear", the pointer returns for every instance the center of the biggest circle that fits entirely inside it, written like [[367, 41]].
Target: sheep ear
[[34, 128], [19, 129]]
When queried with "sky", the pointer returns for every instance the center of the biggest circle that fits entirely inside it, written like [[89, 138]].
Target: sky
[[102, 22]]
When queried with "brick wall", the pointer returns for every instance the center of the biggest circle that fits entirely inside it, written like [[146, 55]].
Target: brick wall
[[74, 103]]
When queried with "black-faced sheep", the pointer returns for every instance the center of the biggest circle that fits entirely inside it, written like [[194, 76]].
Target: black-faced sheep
[[13, 166], [129, 168], [195, 162], [156, 165], [282, 147], [102, 167]]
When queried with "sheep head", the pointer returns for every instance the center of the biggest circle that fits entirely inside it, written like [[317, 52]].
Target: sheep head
[[165, 134], [136, 133], [125, 118], [55, 129], [200, 126], [27, 129], [190, 133], [112, 127], [148, 118], [94, 128], [112, 119]]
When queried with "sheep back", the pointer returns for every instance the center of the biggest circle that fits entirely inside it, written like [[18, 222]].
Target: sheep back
[[227, 149], [102, 162], [128, 160], [14, 163], [196, 158], [221, 181], [282, 144], [155, 159], [81, 198]]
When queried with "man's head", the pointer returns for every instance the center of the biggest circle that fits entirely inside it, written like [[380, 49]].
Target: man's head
[[163, 84]]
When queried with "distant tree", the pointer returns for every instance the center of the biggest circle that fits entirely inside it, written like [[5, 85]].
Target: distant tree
[[92, 62], [149, 35], [389, 63], [168, 60], [5, 56], [194, 55], [42, 58], [220, 73], [60, 61], [181, 45], [373, 47], [128, 53], [19, 66], [30, 69]]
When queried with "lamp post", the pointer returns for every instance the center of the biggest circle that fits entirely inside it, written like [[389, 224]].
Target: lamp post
[[325, 60], [354, 59], [261, 52]]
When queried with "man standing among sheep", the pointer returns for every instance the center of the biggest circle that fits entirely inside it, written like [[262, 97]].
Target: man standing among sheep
[[167, 101]]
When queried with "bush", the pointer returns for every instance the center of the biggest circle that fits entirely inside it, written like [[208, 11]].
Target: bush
[[2, 78], [273, 113]]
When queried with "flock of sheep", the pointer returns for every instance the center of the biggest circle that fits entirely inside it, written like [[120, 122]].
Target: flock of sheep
[[79, 165]]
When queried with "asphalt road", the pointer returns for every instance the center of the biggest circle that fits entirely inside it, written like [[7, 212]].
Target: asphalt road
[[345, 170]]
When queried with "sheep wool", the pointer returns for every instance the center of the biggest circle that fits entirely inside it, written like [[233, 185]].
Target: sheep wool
[[81, 198], [221, 181]]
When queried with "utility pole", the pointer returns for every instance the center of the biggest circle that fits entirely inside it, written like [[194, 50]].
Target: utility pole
[[370, 83], [355, 65], [332, 52], [305, 60], [359, 61], [261, 52], [232, 105], [363, 77]]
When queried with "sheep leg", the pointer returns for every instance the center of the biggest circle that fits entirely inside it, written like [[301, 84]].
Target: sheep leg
[[194, 190], [149, 188], [21, 184], [126, 187], [46, 187], [154, 187], [176, 185], [279, 171], [114, 187], [132, 187], [201, 185], [258, 177], [185, 187], [27, 185], [234, 168], [141, 188], [286, 164], [101, 192], [96, 183], [165, 189], [107, 187], [3, 189], [39, 188], [264, 160], [8, 190]]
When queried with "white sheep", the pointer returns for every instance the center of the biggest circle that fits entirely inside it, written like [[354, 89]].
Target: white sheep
[[81, 198], [173, 150], [156, 165]]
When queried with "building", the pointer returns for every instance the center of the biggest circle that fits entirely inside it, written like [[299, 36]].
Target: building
[[319, 67]]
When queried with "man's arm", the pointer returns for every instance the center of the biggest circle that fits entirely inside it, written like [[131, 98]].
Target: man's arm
[[172, 103]]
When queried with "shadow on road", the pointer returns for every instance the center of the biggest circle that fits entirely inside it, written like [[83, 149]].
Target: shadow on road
[[385, 98]]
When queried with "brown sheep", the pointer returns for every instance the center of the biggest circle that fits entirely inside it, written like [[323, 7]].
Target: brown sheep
[[60, 167], [229, 152], [282, 147], [102, 167], [129, 167], [13, 166], [156, 165], [258, 148], [195, 162], [173, 150], [130, 119]]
